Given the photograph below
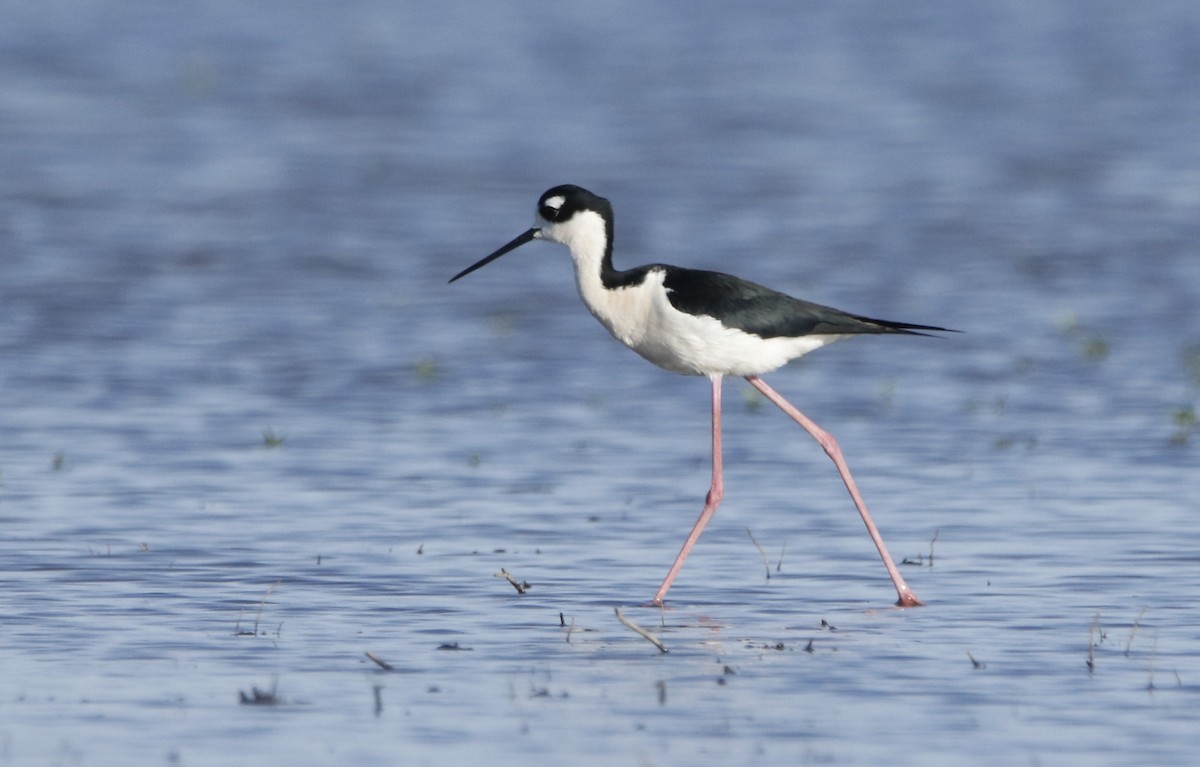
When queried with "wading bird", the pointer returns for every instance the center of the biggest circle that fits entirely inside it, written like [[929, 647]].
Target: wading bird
[[698, 322]]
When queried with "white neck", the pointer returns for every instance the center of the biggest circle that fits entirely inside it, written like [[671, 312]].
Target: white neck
[[586, 235]]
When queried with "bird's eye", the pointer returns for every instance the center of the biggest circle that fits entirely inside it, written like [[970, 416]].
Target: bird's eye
[[552, 208]]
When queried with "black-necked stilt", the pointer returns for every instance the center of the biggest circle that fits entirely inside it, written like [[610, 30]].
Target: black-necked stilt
[[701, 323]]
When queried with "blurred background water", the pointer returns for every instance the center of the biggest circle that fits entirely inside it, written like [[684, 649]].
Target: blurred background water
[[248, 433]]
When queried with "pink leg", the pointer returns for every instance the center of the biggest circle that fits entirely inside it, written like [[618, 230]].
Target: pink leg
[[715, 492], [826, 440]]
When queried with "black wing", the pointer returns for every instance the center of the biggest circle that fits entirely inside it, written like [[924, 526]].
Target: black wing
[[767, 313]]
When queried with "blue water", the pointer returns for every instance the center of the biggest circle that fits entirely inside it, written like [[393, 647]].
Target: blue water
[[248, 433]]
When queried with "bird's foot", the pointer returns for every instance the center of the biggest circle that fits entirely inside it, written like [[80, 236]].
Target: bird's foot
[[908, 599]]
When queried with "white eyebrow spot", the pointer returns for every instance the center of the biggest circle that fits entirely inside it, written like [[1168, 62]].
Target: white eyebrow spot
[[556, 201]]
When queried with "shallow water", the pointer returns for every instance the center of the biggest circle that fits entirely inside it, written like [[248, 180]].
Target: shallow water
[[248, 434]]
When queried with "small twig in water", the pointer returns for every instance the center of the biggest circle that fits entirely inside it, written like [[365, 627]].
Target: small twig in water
[[262, 603], [1092, 630], [562, 622], [762, 553], [521, 586], [259, 697], [1133, 630], [920, 559], [1153, 658], [258, 615], [383, 664], [643, 633]]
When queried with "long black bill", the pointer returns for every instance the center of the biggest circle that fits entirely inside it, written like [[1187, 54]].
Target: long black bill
[[524, 238]]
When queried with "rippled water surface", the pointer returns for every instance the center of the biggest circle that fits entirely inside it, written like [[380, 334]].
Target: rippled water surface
[[248, 434]]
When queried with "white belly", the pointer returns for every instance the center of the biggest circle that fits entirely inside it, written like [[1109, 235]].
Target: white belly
[[642, 318]]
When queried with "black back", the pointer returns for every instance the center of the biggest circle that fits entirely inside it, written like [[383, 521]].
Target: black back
[[766, 313]]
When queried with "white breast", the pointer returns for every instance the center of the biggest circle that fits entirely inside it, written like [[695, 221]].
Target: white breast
[[642, 318]]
